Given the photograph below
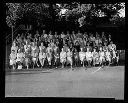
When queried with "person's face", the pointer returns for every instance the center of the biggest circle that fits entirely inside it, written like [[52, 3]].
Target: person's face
[[14, 44], [13, 51], [19, 51], [43, 31], [26, 42], [50, 32], [33, 44]]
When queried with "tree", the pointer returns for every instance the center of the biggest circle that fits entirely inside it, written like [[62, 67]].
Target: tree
[[86, 14], [38, 12], [77, 13], [12, 13]]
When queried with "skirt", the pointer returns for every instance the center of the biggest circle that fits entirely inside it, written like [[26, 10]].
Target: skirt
[[12, 62], [42, 55], [69, 59], [62, 60]]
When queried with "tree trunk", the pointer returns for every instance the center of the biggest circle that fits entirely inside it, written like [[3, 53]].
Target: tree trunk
[[12, 33], [53, 16]]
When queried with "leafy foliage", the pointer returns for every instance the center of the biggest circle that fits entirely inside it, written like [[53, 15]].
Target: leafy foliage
[[12, 13], [17, 11], [75, 12], [85, 13]]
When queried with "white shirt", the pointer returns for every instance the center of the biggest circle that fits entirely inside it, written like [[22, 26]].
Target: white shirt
[[48, 49], [101, 54], [69, 54], [63, 55], [62, 36], [88, 54], [82, 54], [26, 48], [20, 56]]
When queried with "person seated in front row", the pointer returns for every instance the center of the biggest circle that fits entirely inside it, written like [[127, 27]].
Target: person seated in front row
[[63, 57], [12, 58]]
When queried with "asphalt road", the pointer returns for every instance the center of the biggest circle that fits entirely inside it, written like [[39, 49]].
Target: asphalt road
[[106, 83]]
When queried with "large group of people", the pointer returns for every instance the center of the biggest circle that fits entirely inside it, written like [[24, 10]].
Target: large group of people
[[73, 49]]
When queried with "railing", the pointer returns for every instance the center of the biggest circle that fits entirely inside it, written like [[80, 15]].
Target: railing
[[20, 27], [10, 35]]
